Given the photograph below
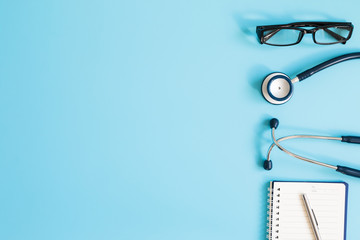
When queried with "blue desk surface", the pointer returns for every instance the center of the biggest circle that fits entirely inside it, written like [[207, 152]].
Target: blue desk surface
[[144, 119]]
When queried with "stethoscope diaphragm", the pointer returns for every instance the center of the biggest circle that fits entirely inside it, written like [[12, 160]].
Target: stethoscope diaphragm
[[277, 88]]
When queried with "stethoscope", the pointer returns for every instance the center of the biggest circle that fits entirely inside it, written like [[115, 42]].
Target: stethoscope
[[274, 123], [277, 88]]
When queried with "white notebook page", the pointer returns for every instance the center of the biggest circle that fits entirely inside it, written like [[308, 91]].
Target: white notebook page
[[290, 220]]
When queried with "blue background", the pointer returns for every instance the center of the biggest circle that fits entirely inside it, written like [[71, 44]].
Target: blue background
[[144, 119]]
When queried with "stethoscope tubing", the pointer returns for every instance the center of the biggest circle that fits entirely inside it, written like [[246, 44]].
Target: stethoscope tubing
[[326, 64]]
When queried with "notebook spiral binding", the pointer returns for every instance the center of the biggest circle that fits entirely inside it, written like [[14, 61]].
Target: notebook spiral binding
[[273, 213], [269, 214]]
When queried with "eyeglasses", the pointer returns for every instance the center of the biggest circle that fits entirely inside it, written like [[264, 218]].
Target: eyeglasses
[[324, 33]]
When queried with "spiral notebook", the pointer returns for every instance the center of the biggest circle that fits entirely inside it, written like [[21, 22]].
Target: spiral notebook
[[287, 216]]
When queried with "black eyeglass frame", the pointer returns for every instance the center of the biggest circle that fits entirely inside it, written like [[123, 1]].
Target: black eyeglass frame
[[299, 27]]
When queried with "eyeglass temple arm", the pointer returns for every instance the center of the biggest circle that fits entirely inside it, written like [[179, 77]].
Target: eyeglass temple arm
[[327, 64], [270, 35], [335, 35]]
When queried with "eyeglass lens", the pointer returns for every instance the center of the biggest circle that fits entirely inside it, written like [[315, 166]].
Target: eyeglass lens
[[282, 36]]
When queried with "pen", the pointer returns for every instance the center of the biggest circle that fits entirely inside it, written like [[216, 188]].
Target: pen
[[311, 214]]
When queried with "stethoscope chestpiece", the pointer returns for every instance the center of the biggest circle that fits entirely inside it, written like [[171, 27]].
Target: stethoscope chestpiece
[[277, 88]]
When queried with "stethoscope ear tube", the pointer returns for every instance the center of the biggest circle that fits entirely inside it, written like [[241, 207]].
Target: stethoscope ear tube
[[274, 123]]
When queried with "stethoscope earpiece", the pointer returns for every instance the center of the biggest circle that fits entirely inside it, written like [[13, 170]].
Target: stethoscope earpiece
[[268, 165], [274, 123], [277, 88]]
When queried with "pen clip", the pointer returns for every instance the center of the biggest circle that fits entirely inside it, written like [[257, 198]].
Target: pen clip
[[315, 217]]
